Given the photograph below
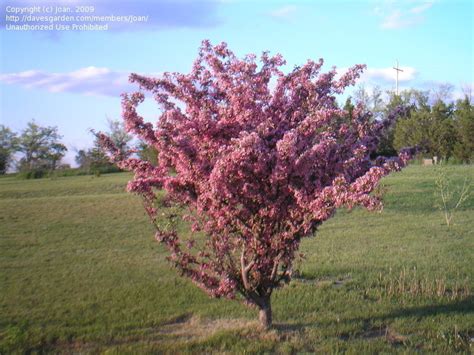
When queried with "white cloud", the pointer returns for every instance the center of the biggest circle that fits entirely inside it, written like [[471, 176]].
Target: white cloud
[[89, 81], [384, 78], [389, 75], [284, 12], [421, 8], [397, 19], [402, 15]]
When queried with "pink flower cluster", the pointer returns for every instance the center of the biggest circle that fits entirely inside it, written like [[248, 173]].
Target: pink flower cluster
[[259, 165]]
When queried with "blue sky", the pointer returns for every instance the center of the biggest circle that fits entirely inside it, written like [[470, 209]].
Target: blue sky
[[73, 79]]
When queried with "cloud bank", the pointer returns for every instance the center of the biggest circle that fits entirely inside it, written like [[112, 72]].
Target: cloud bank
[[406, 14], [89, 81], [104, 81], [284, 12], [388, 75]]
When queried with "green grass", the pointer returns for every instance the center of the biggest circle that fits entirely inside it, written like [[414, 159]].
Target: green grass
[[81, 272]]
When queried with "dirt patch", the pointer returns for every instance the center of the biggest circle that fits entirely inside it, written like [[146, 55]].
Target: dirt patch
[[389, 334], [384, 332], [182, 329], [335, 282], [394, 338], [374, 333], [195, 328]]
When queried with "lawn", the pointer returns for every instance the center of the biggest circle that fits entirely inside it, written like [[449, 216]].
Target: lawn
[[80, 272]]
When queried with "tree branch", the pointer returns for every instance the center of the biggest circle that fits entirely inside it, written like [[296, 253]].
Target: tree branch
[[275, 266], [245, 270]]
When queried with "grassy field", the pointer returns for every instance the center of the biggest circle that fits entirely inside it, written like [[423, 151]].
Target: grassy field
[[81, 272]]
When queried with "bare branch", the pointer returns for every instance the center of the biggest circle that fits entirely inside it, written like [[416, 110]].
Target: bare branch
[[245, 270], [275, 266]]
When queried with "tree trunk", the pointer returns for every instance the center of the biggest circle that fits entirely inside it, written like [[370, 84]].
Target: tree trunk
[[265, 314]]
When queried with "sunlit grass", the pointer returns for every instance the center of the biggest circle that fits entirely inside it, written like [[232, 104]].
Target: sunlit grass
[[80, 271]]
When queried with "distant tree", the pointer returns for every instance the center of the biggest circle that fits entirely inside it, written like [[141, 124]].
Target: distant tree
[[395, 102], [41, 147], [55, 154], [348, 108], [118, 134], [442, 92], [416, 99], [82, 159], [464, 124], [372, 100], [429, 128], [377, 102], [413, 131], [258, 168], [95, 159], [8, 146], [148, 153], [408, 98], [362, 97], [466, 90], [385, 147], [442, 131], [427, 121]]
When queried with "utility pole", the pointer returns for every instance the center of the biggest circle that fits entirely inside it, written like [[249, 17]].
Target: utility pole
[[397, 69]]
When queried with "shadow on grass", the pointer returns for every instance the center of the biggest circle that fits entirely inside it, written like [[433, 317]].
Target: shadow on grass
[[465, 306], [291, 328]]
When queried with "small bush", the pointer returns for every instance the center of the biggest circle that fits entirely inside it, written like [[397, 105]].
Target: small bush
[[43, 173], [33, 174]]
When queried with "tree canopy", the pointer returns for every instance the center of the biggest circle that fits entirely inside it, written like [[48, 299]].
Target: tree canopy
[[8, 146], [258, 168], [41, 147]]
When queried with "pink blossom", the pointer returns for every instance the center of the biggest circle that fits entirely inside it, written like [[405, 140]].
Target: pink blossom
[[258, 168]]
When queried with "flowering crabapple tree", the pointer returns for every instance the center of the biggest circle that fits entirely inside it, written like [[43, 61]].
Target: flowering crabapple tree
[[258, 159]]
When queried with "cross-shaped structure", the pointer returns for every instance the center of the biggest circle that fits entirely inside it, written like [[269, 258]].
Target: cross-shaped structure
[[398, 70]]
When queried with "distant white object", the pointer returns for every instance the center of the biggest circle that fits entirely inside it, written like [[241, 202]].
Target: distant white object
[[397, 69], [432, 161]]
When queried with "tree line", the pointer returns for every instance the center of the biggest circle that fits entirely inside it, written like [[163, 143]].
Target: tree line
[[434, 125], [40, 147], [443, 129], [41, 151]]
